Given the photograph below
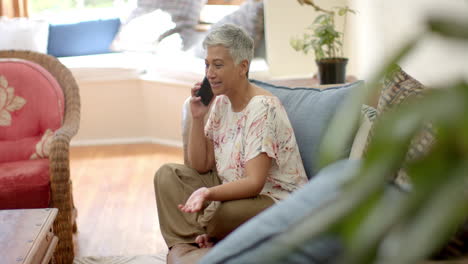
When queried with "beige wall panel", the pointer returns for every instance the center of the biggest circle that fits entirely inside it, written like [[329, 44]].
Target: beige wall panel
[[111, 109], [163, 106]]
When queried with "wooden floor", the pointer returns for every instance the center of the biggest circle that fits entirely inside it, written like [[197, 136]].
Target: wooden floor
[[114, 194]]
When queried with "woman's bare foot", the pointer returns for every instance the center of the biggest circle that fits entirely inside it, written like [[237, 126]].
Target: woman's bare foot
[[204, 241]]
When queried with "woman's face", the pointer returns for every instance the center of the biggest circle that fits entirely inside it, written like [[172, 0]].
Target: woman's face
[[221, 70]]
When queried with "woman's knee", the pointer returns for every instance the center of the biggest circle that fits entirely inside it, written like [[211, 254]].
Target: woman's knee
[[224, 213], [232, 214], [225, 219], [164, 175]]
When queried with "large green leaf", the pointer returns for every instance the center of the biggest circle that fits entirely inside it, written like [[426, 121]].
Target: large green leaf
[[449, 28], [363, 236]]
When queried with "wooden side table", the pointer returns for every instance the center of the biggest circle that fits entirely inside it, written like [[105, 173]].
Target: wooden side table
[[26, 236]]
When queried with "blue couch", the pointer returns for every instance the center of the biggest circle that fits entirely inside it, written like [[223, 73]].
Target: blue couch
[[310, 112], [308, 226]]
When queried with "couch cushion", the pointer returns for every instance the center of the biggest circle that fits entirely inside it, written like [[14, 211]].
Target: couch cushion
[[310, 111], [82, 38], [399, 88], [368, 114], [20, 149], [24, 184], [31, 103], [249, 16], [24, 34], [184, 13], [142, 33], [251, 241]]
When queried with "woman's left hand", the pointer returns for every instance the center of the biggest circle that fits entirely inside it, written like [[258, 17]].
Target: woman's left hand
[[195, 201]]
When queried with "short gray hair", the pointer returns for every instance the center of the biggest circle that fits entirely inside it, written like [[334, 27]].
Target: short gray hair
[[234, 38]]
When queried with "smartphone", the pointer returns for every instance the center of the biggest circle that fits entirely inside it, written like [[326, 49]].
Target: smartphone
[[205, 92]]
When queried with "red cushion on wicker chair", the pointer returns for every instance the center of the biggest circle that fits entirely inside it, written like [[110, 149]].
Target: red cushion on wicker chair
[[24, 184], [31, 105], [29, 182]]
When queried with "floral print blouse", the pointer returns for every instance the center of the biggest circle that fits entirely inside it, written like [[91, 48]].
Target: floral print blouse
[[262, 127]]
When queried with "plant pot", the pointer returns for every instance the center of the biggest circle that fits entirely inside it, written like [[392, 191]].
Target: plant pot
[[332, 71]]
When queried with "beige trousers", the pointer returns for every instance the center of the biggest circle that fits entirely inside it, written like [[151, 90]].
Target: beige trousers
[[174, 183]]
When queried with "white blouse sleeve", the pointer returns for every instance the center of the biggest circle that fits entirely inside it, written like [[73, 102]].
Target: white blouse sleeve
[[267, 131]]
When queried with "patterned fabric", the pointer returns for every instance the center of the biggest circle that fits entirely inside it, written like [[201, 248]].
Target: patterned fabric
[[131, 37], [398, 88], [368, 115], [262, 127], [422, 142], [142, 259], [30, 110], [456, 247], [9, 102], [43, 146], [369, 112], [249, 16], [184, 13]]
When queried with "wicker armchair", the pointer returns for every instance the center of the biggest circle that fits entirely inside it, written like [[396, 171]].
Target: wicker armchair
[[59, 169]]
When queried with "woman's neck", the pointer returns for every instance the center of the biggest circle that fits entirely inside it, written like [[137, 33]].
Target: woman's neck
[[241, 96]]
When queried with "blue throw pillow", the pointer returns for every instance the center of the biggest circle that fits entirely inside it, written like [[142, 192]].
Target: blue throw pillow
[[82, 38], [254, 241], [310, 112]]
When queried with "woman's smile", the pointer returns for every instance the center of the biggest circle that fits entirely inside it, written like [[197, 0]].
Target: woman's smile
[[215, 84]]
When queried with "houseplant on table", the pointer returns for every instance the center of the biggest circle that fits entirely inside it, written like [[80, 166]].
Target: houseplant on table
[[326, 42]]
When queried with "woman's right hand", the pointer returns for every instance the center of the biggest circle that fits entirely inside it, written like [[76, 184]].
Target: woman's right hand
[[196, 200], [197, 108]]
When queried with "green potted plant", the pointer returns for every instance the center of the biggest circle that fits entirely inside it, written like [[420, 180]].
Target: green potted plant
[[326, 42]]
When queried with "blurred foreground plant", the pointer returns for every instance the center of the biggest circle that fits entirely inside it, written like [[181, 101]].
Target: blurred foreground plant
[[378, 224]]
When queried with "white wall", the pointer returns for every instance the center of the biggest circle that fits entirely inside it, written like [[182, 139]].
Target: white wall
[[385, 26]]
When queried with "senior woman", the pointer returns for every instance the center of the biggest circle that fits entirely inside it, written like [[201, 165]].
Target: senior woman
[[243, 160]]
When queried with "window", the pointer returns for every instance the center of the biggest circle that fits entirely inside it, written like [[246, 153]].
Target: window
[[66, 10], [79, 9], [224, 2], [214, 10]]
